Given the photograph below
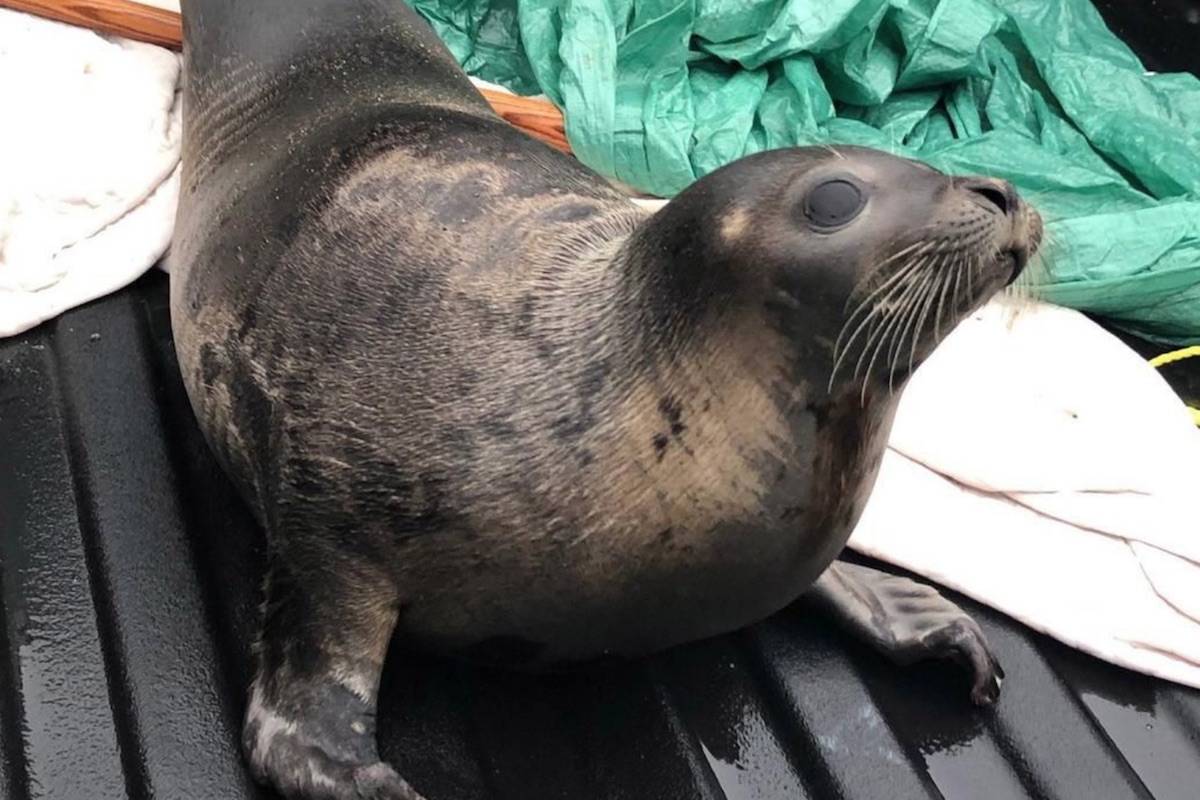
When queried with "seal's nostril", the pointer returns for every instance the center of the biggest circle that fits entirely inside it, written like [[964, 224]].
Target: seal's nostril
[[996, 197], [999, 194]]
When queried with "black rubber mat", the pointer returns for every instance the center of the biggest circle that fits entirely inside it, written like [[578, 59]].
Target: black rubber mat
[[128, 576], [1164, 33]]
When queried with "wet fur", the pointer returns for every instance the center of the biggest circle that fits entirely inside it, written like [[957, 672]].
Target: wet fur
[[475, 396], [535, 431]]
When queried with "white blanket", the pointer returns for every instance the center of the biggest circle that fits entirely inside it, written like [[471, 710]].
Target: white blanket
[[1037, 464], [1042, 467], [89, 152]]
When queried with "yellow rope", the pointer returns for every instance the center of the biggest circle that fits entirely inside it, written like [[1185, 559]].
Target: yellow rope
[[1175, 355], [1179, 355]]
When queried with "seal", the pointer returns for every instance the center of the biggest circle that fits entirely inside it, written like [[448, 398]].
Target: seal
[[482, 403]]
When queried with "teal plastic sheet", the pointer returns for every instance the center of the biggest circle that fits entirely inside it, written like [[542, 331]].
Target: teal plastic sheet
[[657, 93]]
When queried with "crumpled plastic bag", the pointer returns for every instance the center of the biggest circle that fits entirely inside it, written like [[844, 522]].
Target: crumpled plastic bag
[[657, 93]]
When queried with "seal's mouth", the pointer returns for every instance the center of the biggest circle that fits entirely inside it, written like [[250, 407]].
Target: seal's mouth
[[1015, 259], [1027, 238]]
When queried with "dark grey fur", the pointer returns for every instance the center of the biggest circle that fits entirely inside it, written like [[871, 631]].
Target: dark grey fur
[[477, 398]]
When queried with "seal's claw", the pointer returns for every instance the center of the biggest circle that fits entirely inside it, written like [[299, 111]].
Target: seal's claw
[[317, 777], [960, 638], [380, 782], [909, 622], [986, 689]]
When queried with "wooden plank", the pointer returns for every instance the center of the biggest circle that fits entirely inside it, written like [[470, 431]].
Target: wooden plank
[[538, 118]]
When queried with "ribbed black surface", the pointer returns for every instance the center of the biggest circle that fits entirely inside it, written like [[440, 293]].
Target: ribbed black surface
[[1164, 33], [128, 575], [128, 579]]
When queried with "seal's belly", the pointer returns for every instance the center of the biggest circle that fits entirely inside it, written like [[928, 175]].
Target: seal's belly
[[531, 603], [654, 574]]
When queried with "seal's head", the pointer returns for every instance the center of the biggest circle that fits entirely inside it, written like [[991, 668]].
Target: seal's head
[[866, 256]]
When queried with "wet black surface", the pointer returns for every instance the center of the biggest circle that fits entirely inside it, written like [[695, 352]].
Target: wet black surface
[[129, 571], [128, 575], [1183, 375], [1164, 33]]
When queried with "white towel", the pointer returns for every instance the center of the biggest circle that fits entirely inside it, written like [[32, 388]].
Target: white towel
[[1042, 467], [89, 145]]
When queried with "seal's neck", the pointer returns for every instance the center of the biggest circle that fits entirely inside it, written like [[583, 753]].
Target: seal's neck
[[684, 368], [677, 285], [695, 305]]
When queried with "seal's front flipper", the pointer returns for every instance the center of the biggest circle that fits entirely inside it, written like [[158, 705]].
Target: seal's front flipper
[[908, 621], [310, 725]]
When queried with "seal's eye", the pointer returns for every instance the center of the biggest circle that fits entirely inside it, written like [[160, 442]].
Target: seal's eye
[[833, 203]]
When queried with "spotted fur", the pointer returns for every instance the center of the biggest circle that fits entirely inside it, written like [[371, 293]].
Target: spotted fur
[[477, 398]]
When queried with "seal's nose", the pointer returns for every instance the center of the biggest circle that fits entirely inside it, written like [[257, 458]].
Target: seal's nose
[[994, 192]]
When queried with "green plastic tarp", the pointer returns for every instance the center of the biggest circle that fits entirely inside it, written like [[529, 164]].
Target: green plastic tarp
[[657, 93]]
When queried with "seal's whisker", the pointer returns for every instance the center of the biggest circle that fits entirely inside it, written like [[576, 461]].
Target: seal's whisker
[[878, 321], [956, 292], [908, 303], [927, 302], [833, 151], [902, 274], [1021, 295], [878, 318], [887, 286], [840, 351], [874, 273], [937, 320], [911, 328], [887, 331], [906, 312], [865, 306], [911, 253], [840, 347], [885, 307]]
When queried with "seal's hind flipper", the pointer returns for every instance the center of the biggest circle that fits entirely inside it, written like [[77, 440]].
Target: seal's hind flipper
[[310, 724], [908, 622]]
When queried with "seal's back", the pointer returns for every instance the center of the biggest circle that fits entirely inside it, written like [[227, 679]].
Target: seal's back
[[341, 179], [234, 49], [253, 69], [280, 98]]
